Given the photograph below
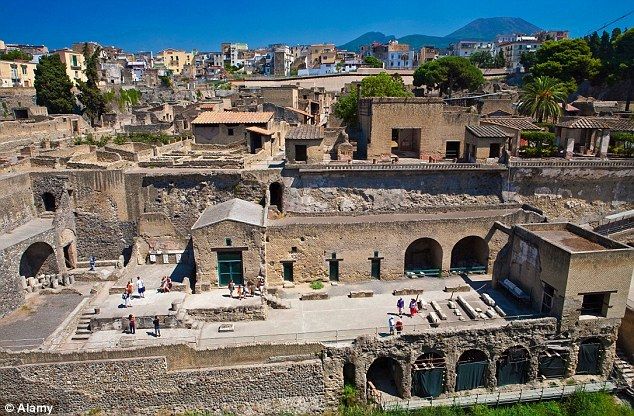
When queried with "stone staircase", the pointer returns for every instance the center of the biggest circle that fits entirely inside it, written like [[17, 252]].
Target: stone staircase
[[83, 331], [625, 370]]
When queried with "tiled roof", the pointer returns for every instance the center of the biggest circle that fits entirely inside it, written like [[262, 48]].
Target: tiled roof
[[518, 123], [235, 209], [232, 117], [305, 132], [487, 131], [620, 124], [259, 130], [299, 111], [585, 123]]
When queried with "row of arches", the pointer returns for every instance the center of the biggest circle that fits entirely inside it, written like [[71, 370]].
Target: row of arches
[[513, 366], [470, 253]]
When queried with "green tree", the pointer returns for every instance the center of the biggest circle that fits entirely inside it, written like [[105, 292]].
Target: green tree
[[542, 97], [380, 85], [482, 59], [624, 61], [90, 96], [53, 87], [569, 60], [15, 55], [500, 61], [449, 74], [373, 61]]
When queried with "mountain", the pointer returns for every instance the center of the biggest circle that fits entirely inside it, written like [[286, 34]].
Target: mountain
[[366, 39], [479, 29], [488, 28]]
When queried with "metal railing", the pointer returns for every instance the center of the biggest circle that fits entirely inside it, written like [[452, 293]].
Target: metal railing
[[396, 166], [523, 394], [571, 163]]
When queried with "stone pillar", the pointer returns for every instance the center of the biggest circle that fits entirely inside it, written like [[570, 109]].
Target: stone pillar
[[605, 141], [570, 147], [406, 379], [533, 369], [573, 360], [450, 374]]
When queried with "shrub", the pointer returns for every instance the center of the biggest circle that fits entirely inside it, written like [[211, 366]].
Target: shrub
[[316, 285]]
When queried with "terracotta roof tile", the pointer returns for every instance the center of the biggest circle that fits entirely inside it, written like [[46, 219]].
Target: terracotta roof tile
[[519, 123], [487, 131], [305, 132]]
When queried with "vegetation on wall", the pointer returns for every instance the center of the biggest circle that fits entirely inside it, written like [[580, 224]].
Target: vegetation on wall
[[622, 143], [373, 61], [15, 55], [540, 144], [484, 59]]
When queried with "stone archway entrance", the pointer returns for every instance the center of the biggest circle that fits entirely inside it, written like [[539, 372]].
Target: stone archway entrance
[[428, 375], [471, 254], [471, 370], [513, 366], [276, 193], [385, 376], [48, 201], [67, 241], [424, 256], [38, 258]]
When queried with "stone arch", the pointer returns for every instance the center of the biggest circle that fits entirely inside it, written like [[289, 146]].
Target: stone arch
[[590, 356], [471, 370], [513, 366], [69, 246], [469, 253], [429, 372], [276, 195], [423, 254], [385, 375], [553, 363], [38, 258], [49, 202]]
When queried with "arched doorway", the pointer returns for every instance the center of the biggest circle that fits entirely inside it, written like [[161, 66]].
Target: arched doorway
[[428, 375], [276, 192], [349, 377], [38, 258], [48, 200], [471, 370], [553, 363], [513, 366], [471, 254], [589, 359], [67, 239], [424, 256], [385, 376]]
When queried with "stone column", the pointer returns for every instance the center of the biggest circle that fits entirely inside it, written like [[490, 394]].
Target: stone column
[[570, 147], [605, 141], [406, 379], [573, 360], [450, 375]]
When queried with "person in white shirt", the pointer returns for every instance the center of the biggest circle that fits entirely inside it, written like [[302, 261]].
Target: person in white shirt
[[140, 287]]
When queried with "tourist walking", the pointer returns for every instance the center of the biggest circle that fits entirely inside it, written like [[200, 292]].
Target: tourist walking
[[240, 294], [390, 323], [232, 287], [140, 287], [400, 304], [132, 320], [129, 288], [157, 326], [412, 308]]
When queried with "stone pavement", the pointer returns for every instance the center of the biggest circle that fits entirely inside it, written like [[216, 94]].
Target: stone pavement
[[29, 326]]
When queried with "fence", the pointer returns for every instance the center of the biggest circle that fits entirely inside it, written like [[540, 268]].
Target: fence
[[571, 164], [396, 166], [523, 394]]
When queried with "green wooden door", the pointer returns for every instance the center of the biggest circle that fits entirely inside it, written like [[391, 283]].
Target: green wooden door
[[376, 268], [288, 271], [334, 270], [230, 267]]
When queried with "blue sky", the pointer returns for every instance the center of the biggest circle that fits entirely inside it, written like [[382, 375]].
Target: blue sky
[[203, 24]]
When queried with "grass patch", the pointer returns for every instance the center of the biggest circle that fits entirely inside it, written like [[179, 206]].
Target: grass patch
[[316, 284]]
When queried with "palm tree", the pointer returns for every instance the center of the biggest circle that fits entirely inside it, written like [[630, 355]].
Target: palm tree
[[543, 99]]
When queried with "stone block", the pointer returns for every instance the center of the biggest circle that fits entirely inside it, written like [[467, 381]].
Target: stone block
[[361, 294], [458, 288], [407, 291], [226, 328], [314, 296], [23, 282]]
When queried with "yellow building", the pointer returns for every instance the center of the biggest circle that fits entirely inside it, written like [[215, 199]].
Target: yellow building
[[75, 64], [17, 74], [175, 60]]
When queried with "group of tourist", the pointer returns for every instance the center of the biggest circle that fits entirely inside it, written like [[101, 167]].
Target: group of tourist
[[396, 325], [166, 286], [156, 322], [249, 289], [129, 289]]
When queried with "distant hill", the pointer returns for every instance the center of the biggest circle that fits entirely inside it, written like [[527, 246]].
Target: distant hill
[[366, 39], [479, 29], [488, 28]]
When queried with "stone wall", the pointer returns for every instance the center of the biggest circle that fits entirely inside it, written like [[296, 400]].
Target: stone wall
[[16, 204], [309, 243], [229, 314], [256, 379]]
